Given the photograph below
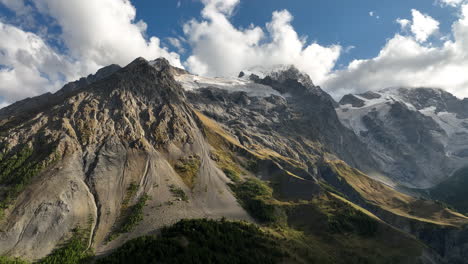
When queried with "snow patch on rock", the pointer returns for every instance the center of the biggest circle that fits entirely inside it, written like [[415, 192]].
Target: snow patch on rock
[[193, 82], [452, 135]]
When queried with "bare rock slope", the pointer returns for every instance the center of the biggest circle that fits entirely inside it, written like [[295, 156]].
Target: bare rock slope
[[417, 136], [126, 130], [156, 140]]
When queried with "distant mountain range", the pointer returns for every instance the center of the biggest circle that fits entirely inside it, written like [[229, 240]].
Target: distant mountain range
[[419, 136], [110, 168]]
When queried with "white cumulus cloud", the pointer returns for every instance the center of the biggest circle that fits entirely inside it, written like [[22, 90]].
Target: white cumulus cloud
[[28, 66], [95, 33], [423, 26], [453, 3], [407, 61], [177, 43], [219, 48], [404, 23], [104, 31]]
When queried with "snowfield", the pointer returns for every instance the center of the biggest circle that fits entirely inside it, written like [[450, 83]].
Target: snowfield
[[193, 82]]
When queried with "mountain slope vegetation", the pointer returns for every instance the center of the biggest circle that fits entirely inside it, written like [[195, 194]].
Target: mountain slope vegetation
[[148, 158]]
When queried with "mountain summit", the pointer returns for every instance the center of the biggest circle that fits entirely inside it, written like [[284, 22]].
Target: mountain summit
[[419, 136], [129, 151]]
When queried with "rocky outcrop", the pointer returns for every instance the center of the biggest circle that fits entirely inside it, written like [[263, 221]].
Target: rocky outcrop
[[83, 156], [127, 129], [300, 122], [417, 136]]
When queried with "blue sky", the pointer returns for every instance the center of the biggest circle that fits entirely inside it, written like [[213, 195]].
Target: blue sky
[[345, 46], [325, 21]]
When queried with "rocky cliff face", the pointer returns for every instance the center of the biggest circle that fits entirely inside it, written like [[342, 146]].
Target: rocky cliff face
[[127, 129], [409, 145], [418, 136], [154, 137], [292, 116]]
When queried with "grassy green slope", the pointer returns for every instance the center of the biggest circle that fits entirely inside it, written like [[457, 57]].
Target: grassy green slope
[[326, 229], [350, 180], [348, 236]]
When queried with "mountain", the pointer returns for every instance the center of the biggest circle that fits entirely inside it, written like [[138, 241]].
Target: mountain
[[103, 146], [418, 136], [149, 162], [287, 116], [451, 191]]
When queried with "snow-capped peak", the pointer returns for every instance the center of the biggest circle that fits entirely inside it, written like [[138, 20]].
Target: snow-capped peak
[[194, 82], [248, 80], [280, 72], [408, 120], [263, 71]]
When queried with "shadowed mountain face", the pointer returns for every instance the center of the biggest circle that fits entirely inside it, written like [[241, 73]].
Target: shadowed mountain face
[[451, 191], [418, 137], [127, 151]]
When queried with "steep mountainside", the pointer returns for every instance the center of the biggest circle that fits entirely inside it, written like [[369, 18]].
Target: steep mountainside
[[418, 137], [291, 116], [452, 191], [128, 151], [85, 160]]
